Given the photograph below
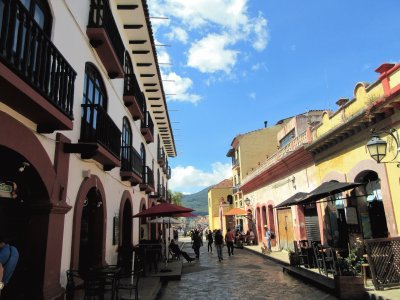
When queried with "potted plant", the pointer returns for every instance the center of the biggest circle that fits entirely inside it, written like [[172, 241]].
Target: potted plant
[[350, 284]]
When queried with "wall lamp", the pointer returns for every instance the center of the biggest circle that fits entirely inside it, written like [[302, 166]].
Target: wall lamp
[[377, 147], [247, 201]]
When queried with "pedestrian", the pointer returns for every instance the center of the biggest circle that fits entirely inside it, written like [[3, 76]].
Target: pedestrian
[[8, 261], [210, 241], [252, 237], [197, 243], [268, 238], [177, 251], [230, 239], [219, 241]]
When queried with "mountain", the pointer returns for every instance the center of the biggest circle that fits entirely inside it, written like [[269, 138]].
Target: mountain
[[197, 201]]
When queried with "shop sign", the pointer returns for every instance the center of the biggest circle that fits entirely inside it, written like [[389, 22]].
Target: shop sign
[[8, 189]]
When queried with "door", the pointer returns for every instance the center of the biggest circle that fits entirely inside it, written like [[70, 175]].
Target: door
[[285, 228]]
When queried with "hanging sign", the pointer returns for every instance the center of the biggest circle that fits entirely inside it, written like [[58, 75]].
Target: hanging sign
[[8, 189]]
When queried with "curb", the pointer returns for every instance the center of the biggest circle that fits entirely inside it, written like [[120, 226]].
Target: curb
[[278, 261]]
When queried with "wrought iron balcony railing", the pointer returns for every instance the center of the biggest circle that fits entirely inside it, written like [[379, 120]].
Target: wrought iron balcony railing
[[148, 177], [103, 31], [147, 128], [133, 97], [131, 160], [98, 127], [28, 52]]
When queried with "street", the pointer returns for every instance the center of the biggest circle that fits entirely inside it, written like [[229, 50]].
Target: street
[[242, 276]]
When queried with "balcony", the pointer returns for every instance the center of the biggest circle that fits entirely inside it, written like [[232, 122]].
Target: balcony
[[148, 180], [131, 165], [133, 97], [236, 189], [100, 138], [169, 173], [161, 157], [147, 128], [35, 79], [104, 36]]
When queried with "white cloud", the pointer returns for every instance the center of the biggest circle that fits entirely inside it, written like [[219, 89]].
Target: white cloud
[[190, 179], [179, 34], [179, 88], [210, 54], [253, 95], [260, 32]]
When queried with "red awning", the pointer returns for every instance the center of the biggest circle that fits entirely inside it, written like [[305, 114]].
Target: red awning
[[235, 212], [163, 209]]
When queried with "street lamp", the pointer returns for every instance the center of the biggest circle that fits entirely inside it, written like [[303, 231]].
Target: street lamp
[[377, 147], [251, 220]]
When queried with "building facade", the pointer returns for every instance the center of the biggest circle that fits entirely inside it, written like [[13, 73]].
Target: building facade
[[85, 136], [219, 200]]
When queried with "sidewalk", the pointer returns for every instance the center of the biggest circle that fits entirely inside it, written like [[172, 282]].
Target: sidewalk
[[282, 258]]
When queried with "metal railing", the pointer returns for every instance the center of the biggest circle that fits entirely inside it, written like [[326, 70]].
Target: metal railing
[[98, 127], [26, 50], [131, 88], [131, 160], [148, 176], [169, 173], [148, 123], [161, 155], [100, 16], [384, 261]]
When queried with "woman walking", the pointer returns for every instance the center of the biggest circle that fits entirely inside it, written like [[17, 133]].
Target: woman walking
[[219, 241]]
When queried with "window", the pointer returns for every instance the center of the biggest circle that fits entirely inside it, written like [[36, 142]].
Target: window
[[143, 154], [94, 95], [126, 142], [40, 12], [287, 139]]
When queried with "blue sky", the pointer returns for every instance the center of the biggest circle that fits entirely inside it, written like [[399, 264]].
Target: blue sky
[[233, 64]]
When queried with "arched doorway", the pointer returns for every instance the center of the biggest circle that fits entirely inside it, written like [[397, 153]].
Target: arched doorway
[[271, 223], [20, 224], [371, 208], [264, 221], [91, 233], [153, 228], [258, 223], [125, 251], [88, 237], [143, 233]]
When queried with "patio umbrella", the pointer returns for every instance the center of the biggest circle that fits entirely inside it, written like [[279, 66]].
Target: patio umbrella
[[236, 212], [163, 210], [185, 215]]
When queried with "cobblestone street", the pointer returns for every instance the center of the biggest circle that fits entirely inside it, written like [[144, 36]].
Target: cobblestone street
[[242, 276]]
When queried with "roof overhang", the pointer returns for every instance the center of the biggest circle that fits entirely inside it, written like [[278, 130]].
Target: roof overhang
[[135, 18]]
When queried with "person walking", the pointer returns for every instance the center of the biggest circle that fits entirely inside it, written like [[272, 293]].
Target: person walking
[[197, 243], [210, 241], [268, 238], [219, 241], [230, 239]]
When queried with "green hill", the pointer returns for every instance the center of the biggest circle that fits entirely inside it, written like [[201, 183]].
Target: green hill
[[197, 201]]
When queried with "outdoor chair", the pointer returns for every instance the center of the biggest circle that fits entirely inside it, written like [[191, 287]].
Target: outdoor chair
[[330, 261], [128, 281], [302, 257], [318, 254], [73, 280]]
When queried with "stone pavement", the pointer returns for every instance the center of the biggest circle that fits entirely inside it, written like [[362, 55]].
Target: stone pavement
[[244, 275]]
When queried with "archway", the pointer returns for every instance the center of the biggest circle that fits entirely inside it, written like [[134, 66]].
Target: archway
[[125, 249], [42, 188], [88, 237], [258, 225], [271, 222], [153, 227], [143, 232], [264, 221], [371, 208]]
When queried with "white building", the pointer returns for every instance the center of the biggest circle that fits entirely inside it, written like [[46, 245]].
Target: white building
[[84, 136]]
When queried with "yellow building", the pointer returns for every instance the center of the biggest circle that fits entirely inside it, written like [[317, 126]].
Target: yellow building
[[219, 200], [371, 210], [247, 152]]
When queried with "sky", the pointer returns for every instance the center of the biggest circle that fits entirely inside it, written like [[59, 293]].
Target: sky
[[229, 65]]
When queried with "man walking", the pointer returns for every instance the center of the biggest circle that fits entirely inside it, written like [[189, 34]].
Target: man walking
[[229, 239], [219, 241]]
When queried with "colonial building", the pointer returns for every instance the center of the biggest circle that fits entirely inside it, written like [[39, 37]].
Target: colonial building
[[85, 136], [247, 151], [287, 172], [219, 201]]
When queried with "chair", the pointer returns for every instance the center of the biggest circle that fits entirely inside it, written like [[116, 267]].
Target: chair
[[330, 261], [129, 281], [302, 257], [318, 254], [94, 286], [72, 276]]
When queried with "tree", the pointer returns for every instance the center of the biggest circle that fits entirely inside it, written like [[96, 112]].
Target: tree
[[176, 197]]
